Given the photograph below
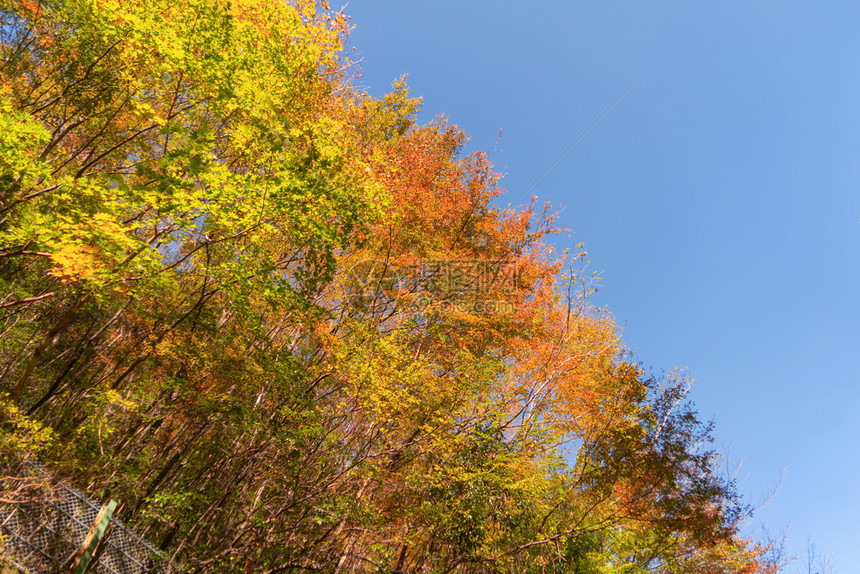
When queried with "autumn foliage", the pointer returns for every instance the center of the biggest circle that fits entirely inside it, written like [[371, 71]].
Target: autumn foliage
[[289, 328]]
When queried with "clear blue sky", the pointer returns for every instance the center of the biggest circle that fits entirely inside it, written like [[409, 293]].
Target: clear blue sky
[[720, 199]]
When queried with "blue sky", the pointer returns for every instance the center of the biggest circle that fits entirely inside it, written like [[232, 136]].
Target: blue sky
[[718, 200]]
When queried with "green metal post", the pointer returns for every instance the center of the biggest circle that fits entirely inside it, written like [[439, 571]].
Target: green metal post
[[92, 540]]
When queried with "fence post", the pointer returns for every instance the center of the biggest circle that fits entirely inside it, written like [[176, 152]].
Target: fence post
[[94, 537]]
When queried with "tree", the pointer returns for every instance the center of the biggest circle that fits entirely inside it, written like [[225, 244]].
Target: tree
[[226, 303]]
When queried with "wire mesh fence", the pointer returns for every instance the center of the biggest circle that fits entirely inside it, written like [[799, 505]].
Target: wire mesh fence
[[43, 525]]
